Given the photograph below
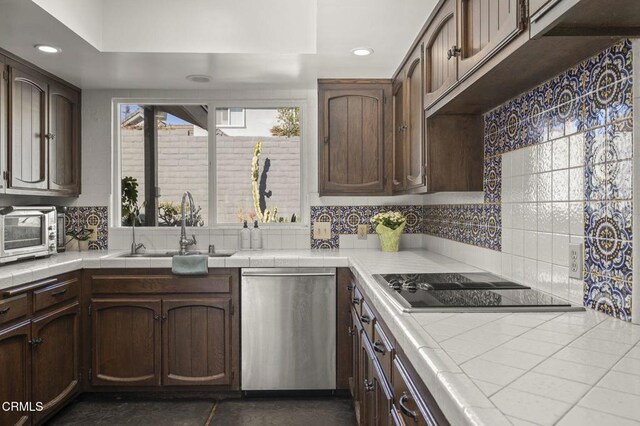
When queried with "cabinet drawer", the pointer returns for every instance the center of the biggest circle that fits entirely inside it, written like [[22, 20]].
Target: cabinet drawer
[[149, 284], [13, 308], [411, 407], [368, 319], [383, 349], [54, 294]]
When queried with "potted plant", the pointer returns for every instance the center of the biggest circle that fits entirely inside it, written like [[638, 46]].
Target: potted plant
[[389, 227], [82, 236]]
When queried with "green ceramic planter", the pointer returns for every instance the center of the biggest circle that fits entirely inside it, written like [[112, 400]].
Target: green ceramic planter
[[390, 238]]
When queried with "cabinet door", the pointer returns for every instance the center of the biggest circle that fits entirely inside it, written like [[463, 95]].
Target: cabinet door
[[15, 372], [55, 361], [485, 26], [399, 138], [415, 158], [126, 342], [441, 71], [4, 120], [196, 337], [64, 140], [27, 130], [368, 410], [352, 147]]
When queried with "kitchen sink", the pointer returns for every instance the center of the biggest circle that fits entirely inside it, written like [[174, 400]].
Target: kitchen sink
[[175, 253]]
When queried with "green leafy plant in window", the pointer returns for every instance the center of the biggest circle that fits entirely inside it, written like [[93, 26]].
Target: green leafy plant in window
[[129, 197]]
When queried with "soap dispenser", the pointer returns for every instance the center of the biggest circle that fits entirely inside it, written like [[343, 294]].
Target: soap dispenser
[[256, 237], [245, 237]]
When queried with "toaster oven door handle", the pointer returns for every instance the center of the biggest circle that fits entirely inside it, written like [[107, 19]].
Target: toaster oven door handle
[[7, 210]]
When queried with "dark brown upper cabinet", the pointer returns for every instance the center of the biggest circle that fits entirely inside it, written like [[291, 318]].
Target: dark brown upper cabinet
[[28, 129], [440, 51], [40, 142], [64, 137], [4, 122], [485, 26], [354, 154], [399, 136], [415, 155]]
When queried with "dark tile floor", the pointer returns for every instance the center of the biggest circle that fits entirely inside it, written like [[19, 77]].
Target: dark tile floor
[[232, 412]]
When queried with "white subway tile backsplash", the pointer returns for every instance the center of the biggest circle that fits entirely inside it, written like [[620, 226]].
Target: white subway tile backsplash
[[545, 217], [545, 247], [560, 185], [560, 218], [560, 153]]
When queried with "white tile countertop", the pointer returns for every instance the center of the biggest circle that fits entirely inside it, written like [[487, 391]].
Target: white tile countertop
[[493, 369]]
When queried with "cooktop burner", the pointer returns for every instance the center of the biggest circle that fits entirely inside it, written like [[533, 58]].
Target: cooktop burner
[[467, 291]]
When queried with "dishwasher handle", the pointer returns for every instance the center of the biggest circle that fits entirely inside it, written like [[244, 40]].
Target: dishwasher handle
[[292, 274]]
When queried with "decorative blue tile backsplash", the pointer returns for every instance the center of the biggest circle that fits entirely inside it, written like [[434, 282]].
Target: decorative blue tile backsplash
[[345, 220], [83, 217], [581, 124]]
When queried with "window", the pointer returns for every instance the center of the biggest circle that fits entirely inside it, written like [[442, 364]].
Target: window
[[163, 153], [230, 117], [165, 150], [258, 168]]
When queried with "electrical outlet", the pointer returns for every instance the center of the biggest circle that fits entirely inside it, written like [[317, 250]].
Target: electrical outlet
[[94, 233], [575, 261], [363, 231], [322, 230]]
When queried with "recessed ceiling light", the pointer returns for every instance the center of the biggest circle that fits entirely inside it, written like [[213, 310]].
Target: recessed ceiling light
[[45, 48], [362, 51], [199, 78]]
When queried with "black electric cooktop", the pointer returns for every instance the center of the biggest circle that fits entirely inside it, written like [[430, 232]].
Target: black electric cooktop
[[467, 291]]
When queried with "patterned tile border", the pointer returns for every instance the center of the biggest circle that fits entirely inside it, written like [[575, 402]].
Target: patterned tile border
[[79, 217]]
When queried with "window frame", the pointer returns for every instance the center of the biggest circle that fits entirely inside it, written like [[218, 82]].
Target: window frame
[[305, 135], [229, 125]]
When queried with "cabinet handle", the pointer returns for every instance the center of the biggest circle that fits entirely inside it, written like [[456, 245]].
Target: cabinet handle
[[37, 341], [326, 139], [350, 331], [365, 319], [156, 317], [59, 293], [164, 317], [50, 136], [368, 386], [407, 412], [379, 347], [454, 52], [3, 311], [356, 301], [350, 287]]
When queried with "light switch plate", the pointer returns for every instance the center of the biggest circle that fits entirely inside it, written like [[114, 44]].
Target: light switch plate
[[322, 230], [363, 231], [575, 261]]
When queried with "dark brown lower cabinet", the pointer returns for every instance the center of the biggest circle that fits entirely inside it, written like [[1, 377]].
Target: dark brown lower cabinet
[[56, 359], [386, 389], [15, 372], [196, 341], [126, 341]]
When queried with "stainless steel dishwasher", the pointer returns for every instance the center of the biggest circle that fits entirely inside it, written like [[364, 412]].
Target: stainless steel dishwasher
[[288, 326]]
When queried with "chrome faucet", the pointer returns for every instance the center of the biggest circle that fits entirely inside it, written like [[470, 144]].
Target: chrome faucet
[[135, 247], [184, 241]]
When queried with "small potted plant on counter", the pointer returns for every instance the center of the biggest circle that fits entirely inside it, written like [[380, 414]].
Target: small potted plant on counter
[[81, 236], [389, 227]]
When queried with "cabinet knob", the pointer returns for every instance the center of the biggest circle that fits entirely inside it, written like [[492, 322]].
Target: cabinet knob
[[50, 136], [368, 386], [454, 52]]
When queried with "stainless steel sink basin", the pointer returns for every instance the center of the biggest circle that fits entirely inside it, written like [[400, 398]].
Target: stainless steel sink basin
[[175, 253]]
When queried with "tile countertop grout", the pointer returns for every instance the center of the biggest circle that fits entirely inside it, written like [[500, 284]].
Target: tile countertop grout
[[452, 352]]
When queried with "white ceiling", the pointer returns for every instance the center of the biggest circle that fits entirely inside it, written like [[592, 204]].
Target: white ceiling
[[145, 44]]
